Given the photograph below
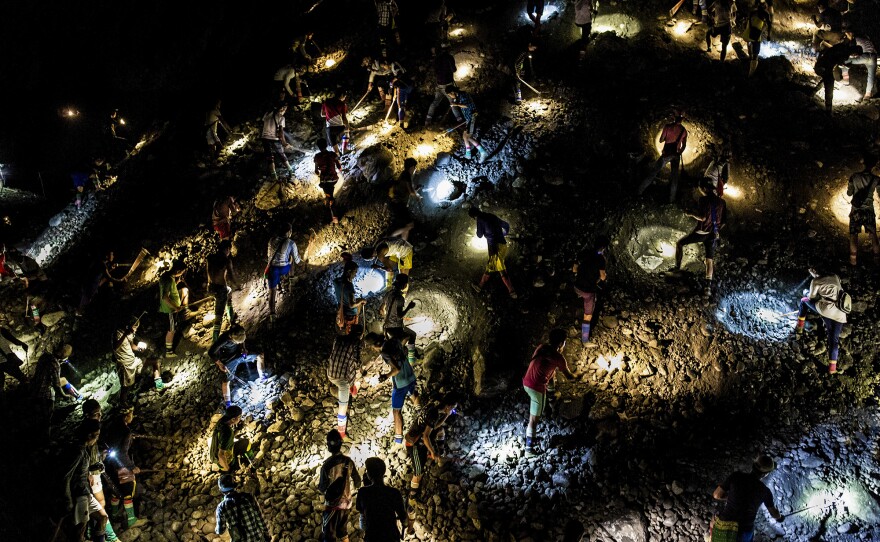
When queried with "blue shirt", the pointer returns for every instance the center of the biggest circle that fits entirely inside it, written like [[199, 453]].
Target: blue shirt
[[469, 106], [394, 354], [492, 228]]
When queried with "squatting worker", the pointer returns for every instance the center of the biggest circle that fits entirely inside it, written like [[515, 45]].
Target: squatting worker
[[222, 446], [674, 139], [743, 494], [590, 275], [228, 352], [822, 298], [128, 365], [495, 231], [240, 514], [426, 431], [861, 188], [546, 359], [389, 253], [349, 306]]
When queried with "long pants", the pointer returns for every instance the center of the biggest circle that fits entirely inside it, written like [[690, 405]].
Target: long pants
[[222, 305], [832, 327], [675, 161], [439, 96], [870, 62]]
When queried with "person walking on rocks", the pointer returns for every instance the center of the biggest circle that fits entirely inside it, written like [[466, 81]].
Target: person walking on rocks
[[495, 231], [390, 253], [823, 298], [758, 25], [444, 71], [394, 309], [674, 139], [122, 467], [401, 90], [173, 299], [222, 444], [343, 371], [584, 13], [220, 273], [722, 16], [80, 503], [861, 187], [387, 11], [421, 440], [334, 110], [743, 493], [349, 307], [213, 119], [462, 100], [221, 216], [546, 359], [283, 253], [399, 194], [128, 365], [589, 270], [239, 513], [328, 169], [228, 352], [710, 220], [381, 506], [338, 473], [827, 67], [274, 140], [403, 378], [283, 77]]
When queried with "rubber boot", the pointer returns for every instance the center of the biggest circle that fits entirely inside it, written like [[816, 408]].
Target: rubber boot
[[411, 353], [109, 533], [130, 518], [159, 384]]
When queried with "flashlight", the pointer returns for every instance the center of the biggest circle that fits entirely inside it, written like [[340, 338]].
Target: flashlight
[[122, 122], [142, 345], [454, 411], [111, 454]]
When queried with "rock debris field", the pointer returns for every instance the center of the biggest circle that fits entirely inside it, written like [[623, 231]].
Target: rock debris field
[[679, 388]]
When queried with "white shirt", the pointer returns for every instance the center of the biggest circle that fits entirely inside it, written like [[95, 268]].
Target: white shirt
[[286, 74], [283, 252], [398, 248], [272, 122], [382, 69], [825, 291]]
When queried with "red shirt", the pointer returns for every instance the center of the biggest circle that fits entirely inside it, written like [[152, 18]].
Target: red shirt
[[326, 163], [333, 108], [543, 366]]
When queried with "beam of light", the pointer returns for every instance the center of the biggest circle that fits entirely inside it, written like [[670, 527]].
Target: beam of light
[[801, 56], [424, 150], [732, 191], [841, 204], [758, 315], [369, 140], [237, 144], [329, 63], [666, 249], [369, 281], [457, 32], [843, 95], [142, 345], [549, 11], [681, 28], [610, 363], [324, 250], [442, 190], [422, 325], [478, 243], [538, 106], [616, 23], [653, 248], [464, 71]]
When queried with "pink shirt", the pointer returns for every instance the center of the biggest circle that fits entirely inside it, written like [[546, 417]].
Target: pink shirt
[[543, 366]]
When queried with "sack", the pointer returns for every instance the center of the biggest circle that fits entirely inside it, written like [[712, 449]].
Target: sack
[[336, 490], [844, 301], [13, 359], [724, 531], [340, 317]]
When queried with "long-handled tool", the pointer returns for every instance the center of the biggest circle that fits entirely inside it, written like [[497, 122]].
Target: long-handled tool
[[450, 130], [153, 437], [390, 107], [675, 8], [137, 261], [362, 99], [821, 505], [533, 89]]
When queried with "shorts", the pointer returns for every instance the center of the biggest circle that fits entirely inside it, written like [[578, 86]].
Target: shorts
[[707, 239], [418, 455], [333, 134], [538, 401], [495, 264], [211, 136], [471, 126], [403, 95], [334, 524], [589, 301], [223, 229], [328, 187], [128, 372], [398, 395], [172, 322], [275, 274], [84, 507], [232, 366], [343, 390], [96, 485], [859, 219], [272, 148], [404, 263], [723, 31]]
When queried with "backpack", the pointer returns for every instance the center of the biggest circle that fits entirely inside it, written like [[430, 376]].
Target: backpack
[[336, 490], [843, 301]]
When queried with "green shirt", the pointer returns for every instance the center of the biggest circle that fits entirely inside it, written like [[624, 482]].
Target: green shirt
[[223, 439], [168, 287]]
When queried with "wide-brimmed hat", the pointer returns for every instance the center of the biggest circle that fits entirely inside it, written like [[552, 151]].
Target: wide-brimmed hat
[[764, 463]]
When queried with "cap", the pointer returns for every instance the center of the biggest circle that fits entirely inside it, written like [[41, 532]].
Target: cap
[[64, 351], [764, 463], [226, 483]]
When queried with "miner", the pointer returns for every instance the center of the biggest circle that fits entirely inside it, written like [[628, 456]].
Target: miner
[[222, 444], [394, 309], [403, 378], [462, 101], [861, 188], [122, 468], [327, 168], [215, 119], [758, 26], [722, 15], [220, 273], [546, 359], [221, 216], [590, 276], [128, 365], [382, 71], [282, 253], [334, 111], [743, 494], [444, 71], [343, 370], [390, 253], [829, 26], [426, 431], [523, 69], [827, 67], [80, 504], [349, 307], [173, 299], [710, 220], [381, 506], [10, 363], [399, 194], [386, 12], [674, 139], [338, 474], [48, 385], [228, 352], [824, 298], [239, 513], [495, 231], [274, 139]]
